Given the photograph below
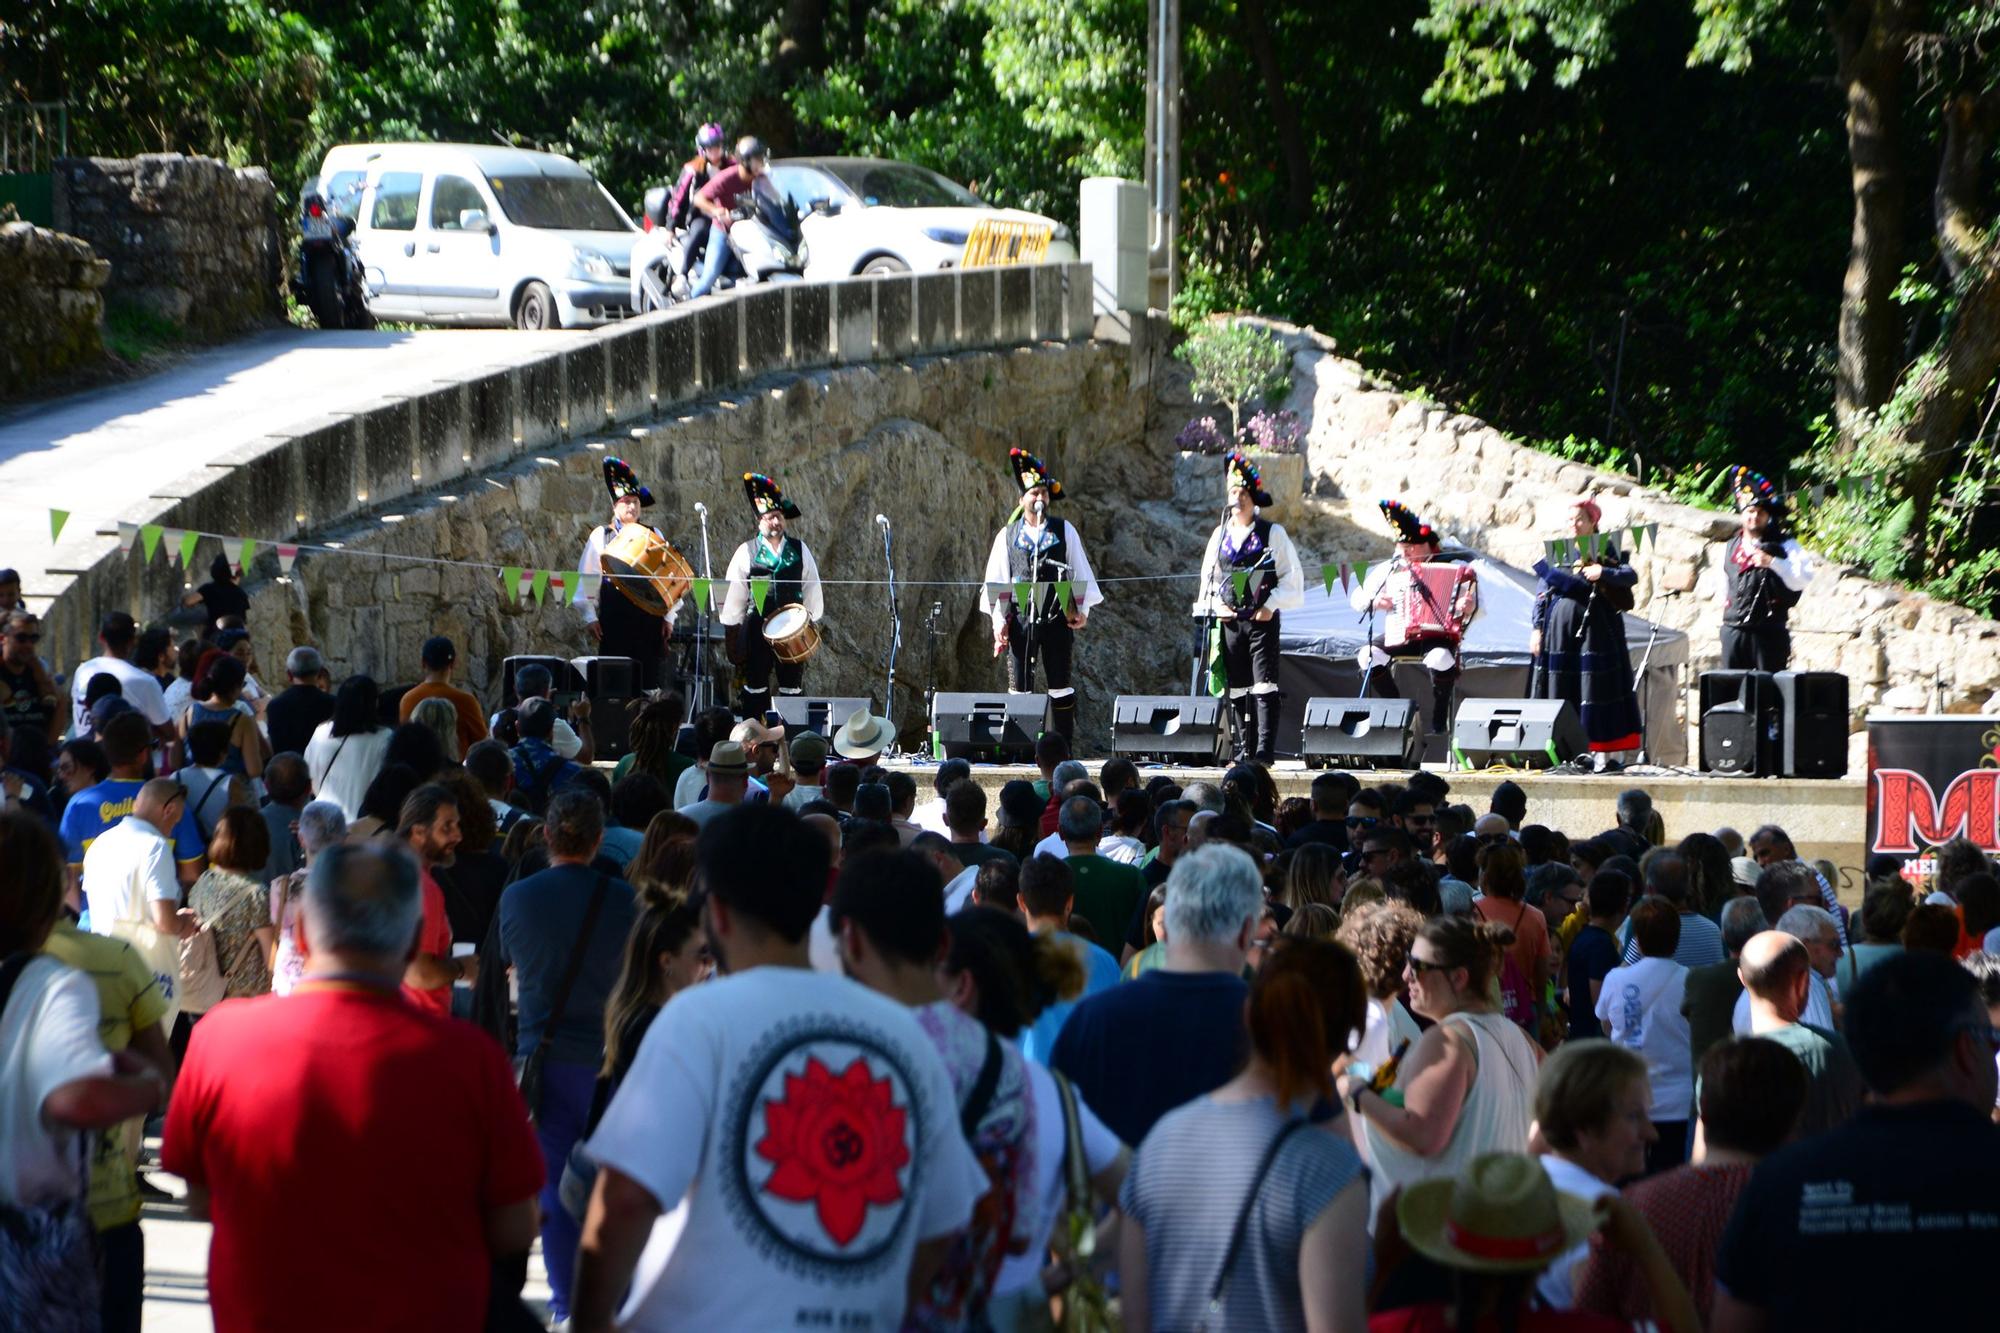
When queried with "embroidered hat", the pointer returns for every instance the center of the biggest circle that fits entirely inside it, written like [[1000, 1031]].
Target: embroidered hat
[[1240, 473], [621, 481], [765, 496], [1502, 1214], [1030, 472], [1754, 489], [1409, 528]]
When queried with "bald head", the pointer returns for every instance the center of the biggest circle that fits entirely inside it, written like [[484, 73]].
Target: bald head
[[1491, 825], [829, 828], [1773, 968], [160, 803]]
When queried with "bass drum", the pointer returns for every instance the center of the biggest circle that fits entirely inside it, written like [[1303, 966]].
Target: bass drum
[[792, 635], [642, 564]]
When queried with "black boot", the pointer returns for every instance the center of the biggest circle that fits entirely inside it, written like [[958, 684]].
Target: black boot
[[1266, 729], [1246, 729], [1063, 710]]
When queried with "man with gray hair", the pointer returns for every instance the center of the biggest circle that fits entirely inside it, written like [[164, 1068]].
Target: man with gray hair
[[1108, 892], [293, 712], [368, 1089], [535, 681], [321, 825], [1206, 797], [1774, 968], [1176, 1032], [1709, 999], [1814, 928]]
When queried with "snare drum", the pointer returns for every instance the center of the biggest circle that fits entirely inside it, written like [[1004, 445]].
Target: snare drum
[[651, 573], [791, 633]]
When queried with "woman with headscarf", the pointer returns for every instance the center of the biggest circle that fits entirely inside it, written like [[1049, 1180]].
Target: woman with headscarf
[[1578, 642]]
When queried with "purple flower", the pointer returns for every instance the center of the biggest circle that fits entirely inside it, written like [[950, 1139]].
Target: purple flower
[[1202, 436], [1273, 432]]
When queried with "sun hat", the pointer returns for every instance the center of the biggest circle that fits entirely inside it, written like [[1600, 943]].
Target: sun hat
[[1502, 1214], [728, 760], [750, 733], [863, 734], [1744, 870]]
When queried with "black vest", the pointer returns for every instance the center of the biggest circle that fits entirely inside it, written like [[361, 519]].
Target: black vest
[[1254, 553], [786, 570], [1758, 598], [1054, 567]]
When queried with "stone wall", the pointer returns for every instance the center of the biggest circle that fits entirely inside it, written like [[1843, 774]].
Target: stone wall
[[1368, 441], [52, 288], [189, 239]]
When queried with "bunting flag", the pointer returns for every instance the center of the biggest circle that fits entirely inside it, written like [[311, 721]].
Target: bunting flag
[[245, 554], [1240, 580], [588, 584], [57, 517], [170, 542], [287, 554], [760, 592], [1361, 571], [128, 533], [1346, 576], [1066, 597], [559, 582], [510, 583], [1638, 531], [1593, 546], [702, 600], [189, 540], [525, 586], [541, 585], [1022, 593], [996, 592], [149, 539], [1327, 575]]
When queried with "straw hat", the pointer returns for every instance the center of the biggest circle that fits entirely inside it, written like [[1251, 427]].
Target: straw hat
[[1502, 1215], [863, 734], [728, 760]]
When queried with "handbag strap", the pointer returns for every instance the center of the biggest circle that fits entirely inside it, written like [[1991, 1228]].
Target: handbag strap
[[575, 966], [1076, 1167], [1243, 1216], [980, 1098]]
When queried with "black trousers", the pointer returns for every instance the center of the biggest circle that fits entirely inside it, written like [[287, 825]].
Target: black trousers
[[695, 243], [631, 632], [1049, 643], [759, 663], [121, 1252], [1766, 648], [1250, 651], [1380, 682]]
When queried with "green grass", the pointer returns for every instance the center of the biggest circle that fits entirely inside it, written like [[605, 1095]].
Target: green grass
[[132, 334]]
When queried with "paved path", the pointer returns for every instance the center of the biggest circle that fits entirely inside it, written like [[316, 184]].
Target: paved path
[[101, 451]]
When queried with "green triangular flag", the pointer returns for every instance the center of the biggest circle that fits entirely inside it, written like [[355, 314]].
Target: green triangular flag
[[510, 582], [188, 543], [1023, 595], [702, 601], [1638, 530], [1327, 574], [1592, 548], [149, 539], [1241, 578], [1066, 597], [760, 592], [541, 588], [246, 552], [57, 517], [1217, 674], [1361, 571]]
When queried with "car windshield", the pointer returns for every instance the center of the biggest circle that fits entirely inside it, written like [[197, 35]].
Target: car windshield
[[562, 203], [900, 185]]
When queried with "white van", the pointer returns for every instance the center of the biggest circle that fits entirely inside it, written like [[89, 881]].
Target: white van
[[468, 234]]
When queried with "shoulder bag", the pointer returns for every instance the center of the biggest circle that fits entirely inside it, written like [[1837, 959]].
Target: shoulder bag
[[1086, 1305], [531, 1068], [1211, 1320]]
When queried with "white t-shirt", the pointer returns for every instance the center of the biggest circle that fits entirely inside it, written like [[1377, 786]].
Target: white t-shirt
[[1819, 1007], [1122, 848], [126, 869], [958, 893], [1640, 1008], [48, 1037], [1100, 1150], [142, 690], [343, 766], [1557, 1284], [687, 787], [823, 946], [802, 1135]]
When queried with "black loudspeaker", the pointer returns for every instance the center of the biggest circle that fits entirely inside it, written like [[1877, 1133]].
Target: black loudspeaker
[[1813, 722], [810, 712], [990, 728], [560, 672], [611, 684], [1183, 728], [1360, 733], [1522, 733], [1742, 723]]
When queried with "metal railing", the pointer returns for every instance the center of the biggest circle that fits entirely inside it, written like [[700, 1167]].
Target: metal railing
[[32, 136]]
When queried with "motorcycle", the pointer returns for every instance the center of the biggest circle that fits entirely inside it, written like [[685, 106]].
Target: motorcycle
[[330, 278], [766, 245]]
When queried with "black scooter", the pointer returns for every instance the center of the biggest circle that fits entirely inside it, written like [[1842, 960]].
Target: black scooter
[[330, 279]]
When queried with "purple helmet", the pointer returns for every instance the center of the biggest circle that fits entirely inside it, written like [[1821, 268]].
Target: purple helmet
[[709, 136]]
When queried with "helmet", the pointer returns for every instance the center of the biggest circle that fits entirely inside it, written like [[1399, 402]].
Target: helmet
[[750, 146], [709, 135]]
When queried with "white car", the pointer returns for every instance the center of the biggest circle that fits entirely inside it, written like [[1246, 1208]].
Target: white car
[[871, 215], [477, 234]]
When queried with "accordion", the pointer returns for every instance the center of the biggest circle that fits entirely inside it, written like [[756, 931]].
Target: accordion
[[1437, 601]]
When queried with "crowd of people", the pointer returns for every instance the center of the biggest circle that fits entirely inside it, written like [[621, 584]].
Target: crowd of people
[[751, 1032]]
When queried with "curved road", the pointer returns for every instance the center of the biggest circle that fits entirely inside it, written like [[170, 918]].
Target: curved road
[[101, 451]]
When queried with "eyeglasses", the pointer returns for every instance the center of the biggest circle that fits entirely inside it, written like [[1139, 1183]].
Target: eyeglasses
[[1419, 966], [1370, 853], [1362, 821], [1420, 821], [26, 638]]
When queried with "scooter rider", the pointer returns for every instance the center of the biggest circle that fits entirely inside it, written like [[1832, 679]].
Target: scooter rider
[[711, 156], [718, 199]]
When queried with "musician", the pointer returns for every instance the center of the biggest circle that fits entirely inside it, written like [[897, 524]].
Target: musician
[[1421, 613], [1035, 548], [1262, 551], [619, 626], [794, 576], [1765, 571], [1578, 641]]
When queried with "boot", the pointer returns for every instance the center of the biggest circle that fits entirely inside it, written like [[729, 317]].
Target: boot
[[1063, 709], [1246, 729], [1265, 732]]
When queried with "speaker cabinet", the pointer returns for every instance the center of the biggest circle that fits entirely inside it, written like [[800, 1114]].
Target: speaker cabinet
[[989, 728], [1177, 728], [1813, 724], [612, 685], [561, 673], [1360, 733], [808, 712], [1742, 723], [1521, 733]]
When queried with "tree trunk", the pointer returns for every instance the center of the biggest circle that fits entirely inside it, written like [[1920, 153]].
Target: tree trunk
[[1948, 388], [1870, 38], [1968, 133], [1291, 138]]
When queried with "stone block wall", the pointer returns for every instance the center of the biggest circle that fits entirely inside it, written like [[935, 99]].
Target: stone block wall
[[189, 239], [52, 289]]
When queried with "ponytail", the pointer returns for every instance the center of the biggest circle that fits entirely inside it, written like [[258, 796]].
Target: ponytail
[[1305, 1006], [1017, 975]]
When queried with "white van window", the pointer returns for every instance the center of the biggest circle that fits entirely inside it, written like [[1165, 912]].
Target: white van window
[[451, 196], [396, 201]]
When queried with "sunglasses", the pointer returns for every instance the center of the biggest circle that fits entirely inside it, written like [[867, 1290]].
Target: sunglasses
[[1420, 966], [26, 638], [1362, 821], [1370, 853], [1420, 821]]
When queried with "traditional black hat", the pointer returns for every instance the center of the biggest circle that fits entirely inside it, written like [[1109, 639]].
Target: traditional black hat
[[1241, 472], [1754, 489], [1030, 472], [1409, 528], [765, 496], [621, 481]]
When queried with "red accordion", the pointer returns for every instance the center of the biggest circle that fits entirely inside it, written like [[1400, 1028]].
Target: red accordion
[[1437, 601]]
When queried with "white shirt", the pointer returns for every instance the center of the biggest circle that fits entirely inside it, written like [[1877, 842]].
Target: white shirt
[[958, 893], [343, 766], [141, 690], [1640, 1008], [592, 562], [1793, 569], [1819, 1007], [1084, 592], [1377, 584], [127, 868], [737, 602], [741, 1089], [563, 740], [687, 787], [1100, 1150], [48, 1038], [1053, 845], [1122, 848], [799, 795], [1289, 595], [1557, 1284], [930, 818]]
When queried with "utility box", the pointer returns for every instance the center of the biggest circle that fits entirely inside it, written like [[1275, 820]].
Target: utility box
[[1112, 240]]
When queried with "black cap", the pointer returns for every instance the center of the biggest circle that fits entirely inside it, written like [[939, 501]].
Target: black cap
[[1020, 805], [438, 652]]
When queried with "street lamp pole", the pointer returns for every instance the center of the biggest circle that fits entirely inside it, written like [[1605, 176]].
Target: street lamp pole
[[1163, 148]]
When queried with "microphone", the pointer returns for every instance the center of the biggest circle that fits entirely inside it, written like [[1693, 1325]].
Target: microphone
[[701, 508], [882, 519]]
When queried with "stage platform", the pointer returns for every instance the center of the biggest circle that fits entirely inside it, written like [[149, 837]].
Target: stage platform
[[1826, 819]]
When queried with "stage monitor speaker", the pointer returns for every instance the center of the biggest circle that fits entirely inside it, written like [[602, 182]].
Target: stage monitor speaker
[[611, 684], [1522, 733], [1742, 723], [561, 674], [1177, 728], [997, 728], [812, 712], [1814, 724], [1360, 733]]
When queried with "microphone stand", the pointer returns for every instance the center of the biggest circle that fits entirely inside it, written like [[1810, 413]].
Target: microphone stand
[[704, 688], [895, 634]]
